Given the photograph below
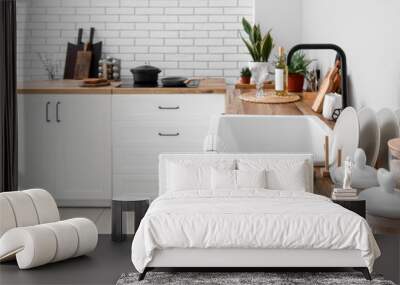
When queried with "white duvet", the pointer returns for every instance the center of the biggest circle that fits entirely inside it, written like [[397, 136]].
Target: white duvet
[[250, 219]]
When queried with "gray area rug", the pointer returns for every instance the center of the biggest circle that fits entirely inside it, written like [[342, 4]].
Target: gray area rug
[[244, 278]]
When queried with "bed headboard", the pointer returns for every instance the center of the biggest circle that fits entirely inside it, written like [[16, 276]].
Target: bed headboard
[[165, 158]]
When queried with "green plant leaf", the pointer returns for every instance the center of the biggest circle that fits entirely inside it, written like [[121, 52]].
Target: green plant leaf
[[259, 46], [249, 47], [259, 35], [246, 26], [254, 35], [268, 46], [258, 51]]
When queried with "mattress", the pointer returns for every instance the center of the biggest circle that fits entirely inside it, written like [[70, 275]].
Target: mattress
[[250, 219]]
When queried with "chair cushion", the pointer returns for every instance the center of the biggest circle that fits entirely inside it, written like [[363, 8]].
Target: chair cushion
[[40, 244], [23, 208], [46, 207], [7, 216]]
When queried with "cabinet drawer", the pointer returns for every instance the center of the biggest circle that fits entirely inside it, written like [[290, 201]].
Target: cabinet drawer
[[138, 184], [158, 133], [169, 107]]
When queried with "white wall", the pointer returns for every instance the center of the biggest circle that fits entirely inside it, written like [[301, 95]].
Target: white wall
[[368, 31], [182, 37], [283, 17]]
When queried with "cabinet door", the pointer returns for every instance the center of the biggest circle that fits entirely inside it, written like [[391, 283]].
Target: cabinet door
[[84, 132], [38, 158]]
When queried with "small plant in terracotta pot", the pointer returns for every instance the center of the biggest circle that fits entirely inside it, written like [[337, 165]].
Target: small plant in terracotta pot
[[245, 75], [297, 69]]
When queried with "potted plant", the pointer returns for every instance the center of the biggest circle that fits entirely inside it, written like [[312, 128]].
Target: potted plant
[[297, 69], [259, 47], [245, 75]]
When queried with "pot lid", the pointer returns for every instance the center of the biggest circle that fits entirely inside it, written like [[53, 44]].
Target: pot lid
[[146, 68]]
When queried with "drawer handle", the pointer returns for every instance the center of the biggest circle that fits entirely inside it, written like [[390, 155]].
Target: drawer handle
[[58, 112], [168, 134], [47, 112], [168, 108]]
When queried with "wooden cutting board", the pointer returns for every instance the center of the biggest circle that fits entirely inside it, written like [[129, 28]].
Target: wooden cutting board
[[70, 58], [326, 87], [269, 98], [83, 61]]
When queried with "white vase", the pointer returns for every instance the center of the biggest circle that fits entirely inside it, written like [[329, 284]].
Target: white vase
[[259, 73]]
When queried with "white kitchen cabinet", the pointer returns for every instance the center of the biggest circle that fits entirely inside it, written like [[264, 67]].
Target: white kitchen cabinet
[[69, 154], [143, 126], [38, 142]]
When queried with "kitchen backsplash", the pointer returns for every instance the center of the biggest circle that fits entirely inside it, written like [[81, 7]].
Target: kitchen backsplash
[[182, 37]]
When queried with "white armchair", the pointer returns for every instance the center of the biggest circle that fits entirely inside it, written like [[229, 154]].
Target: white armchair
[[31, 230]]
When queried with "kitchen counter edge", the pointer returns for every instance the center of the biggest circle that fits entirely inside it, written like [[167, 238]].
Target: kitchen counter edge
[[207, 86]]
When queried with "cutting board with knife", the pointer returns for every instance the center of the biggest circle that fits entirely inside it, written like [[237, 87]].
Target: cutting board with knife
[[82, 59]]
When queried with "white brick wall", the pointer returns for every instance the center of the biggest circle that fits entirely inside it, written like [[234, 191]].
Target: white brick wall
[[182, 37]]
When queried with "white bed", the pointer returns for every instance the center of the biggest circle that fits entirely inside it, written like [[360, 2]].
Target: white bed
[[249, 227]]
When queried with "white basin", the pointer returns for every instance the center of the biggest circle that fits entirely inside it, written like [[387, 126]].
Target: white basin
[[268, 134]]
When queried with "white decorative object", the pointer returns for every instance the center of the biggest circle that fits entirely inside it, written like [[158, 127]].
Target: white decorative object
[[259, 73], [369, 134], [397, 113], [363, 176], [394, 159], [348, 166], [344, 194], [345, 135], [383, 201], [389, 129], [332, 102], [31, 232]]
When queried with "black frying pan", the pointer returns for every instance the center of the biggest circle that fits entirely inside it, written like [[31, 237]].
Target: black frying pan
[[179, 81], [174, 81]]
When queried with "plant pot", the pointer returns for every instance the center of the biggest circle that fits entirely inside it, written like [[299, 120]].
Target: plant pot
[[295, 82], [245, 80]]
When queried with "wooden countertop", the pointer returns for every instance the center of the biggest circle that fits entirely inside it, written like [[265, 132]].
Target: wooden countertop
[[206, 86], [303, 107], [60, 87]]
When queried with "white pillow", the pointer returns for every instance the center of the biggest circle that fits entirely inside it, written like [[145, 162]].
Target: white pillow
[[237, 179], [282, 174], [223, 179], [190, 174], [251, 179]]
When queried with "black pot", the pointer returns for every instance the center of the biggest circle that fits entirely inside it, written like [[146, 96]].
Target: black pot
[[145, 74]]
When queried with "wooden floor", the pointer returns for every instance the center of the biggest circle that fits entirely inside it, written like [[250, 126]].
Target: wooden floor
[[103, 266]]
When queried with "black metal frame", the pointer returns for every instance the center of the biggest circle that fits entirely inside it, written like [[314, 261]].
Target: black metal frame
[[363, 270], [341, 54]]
